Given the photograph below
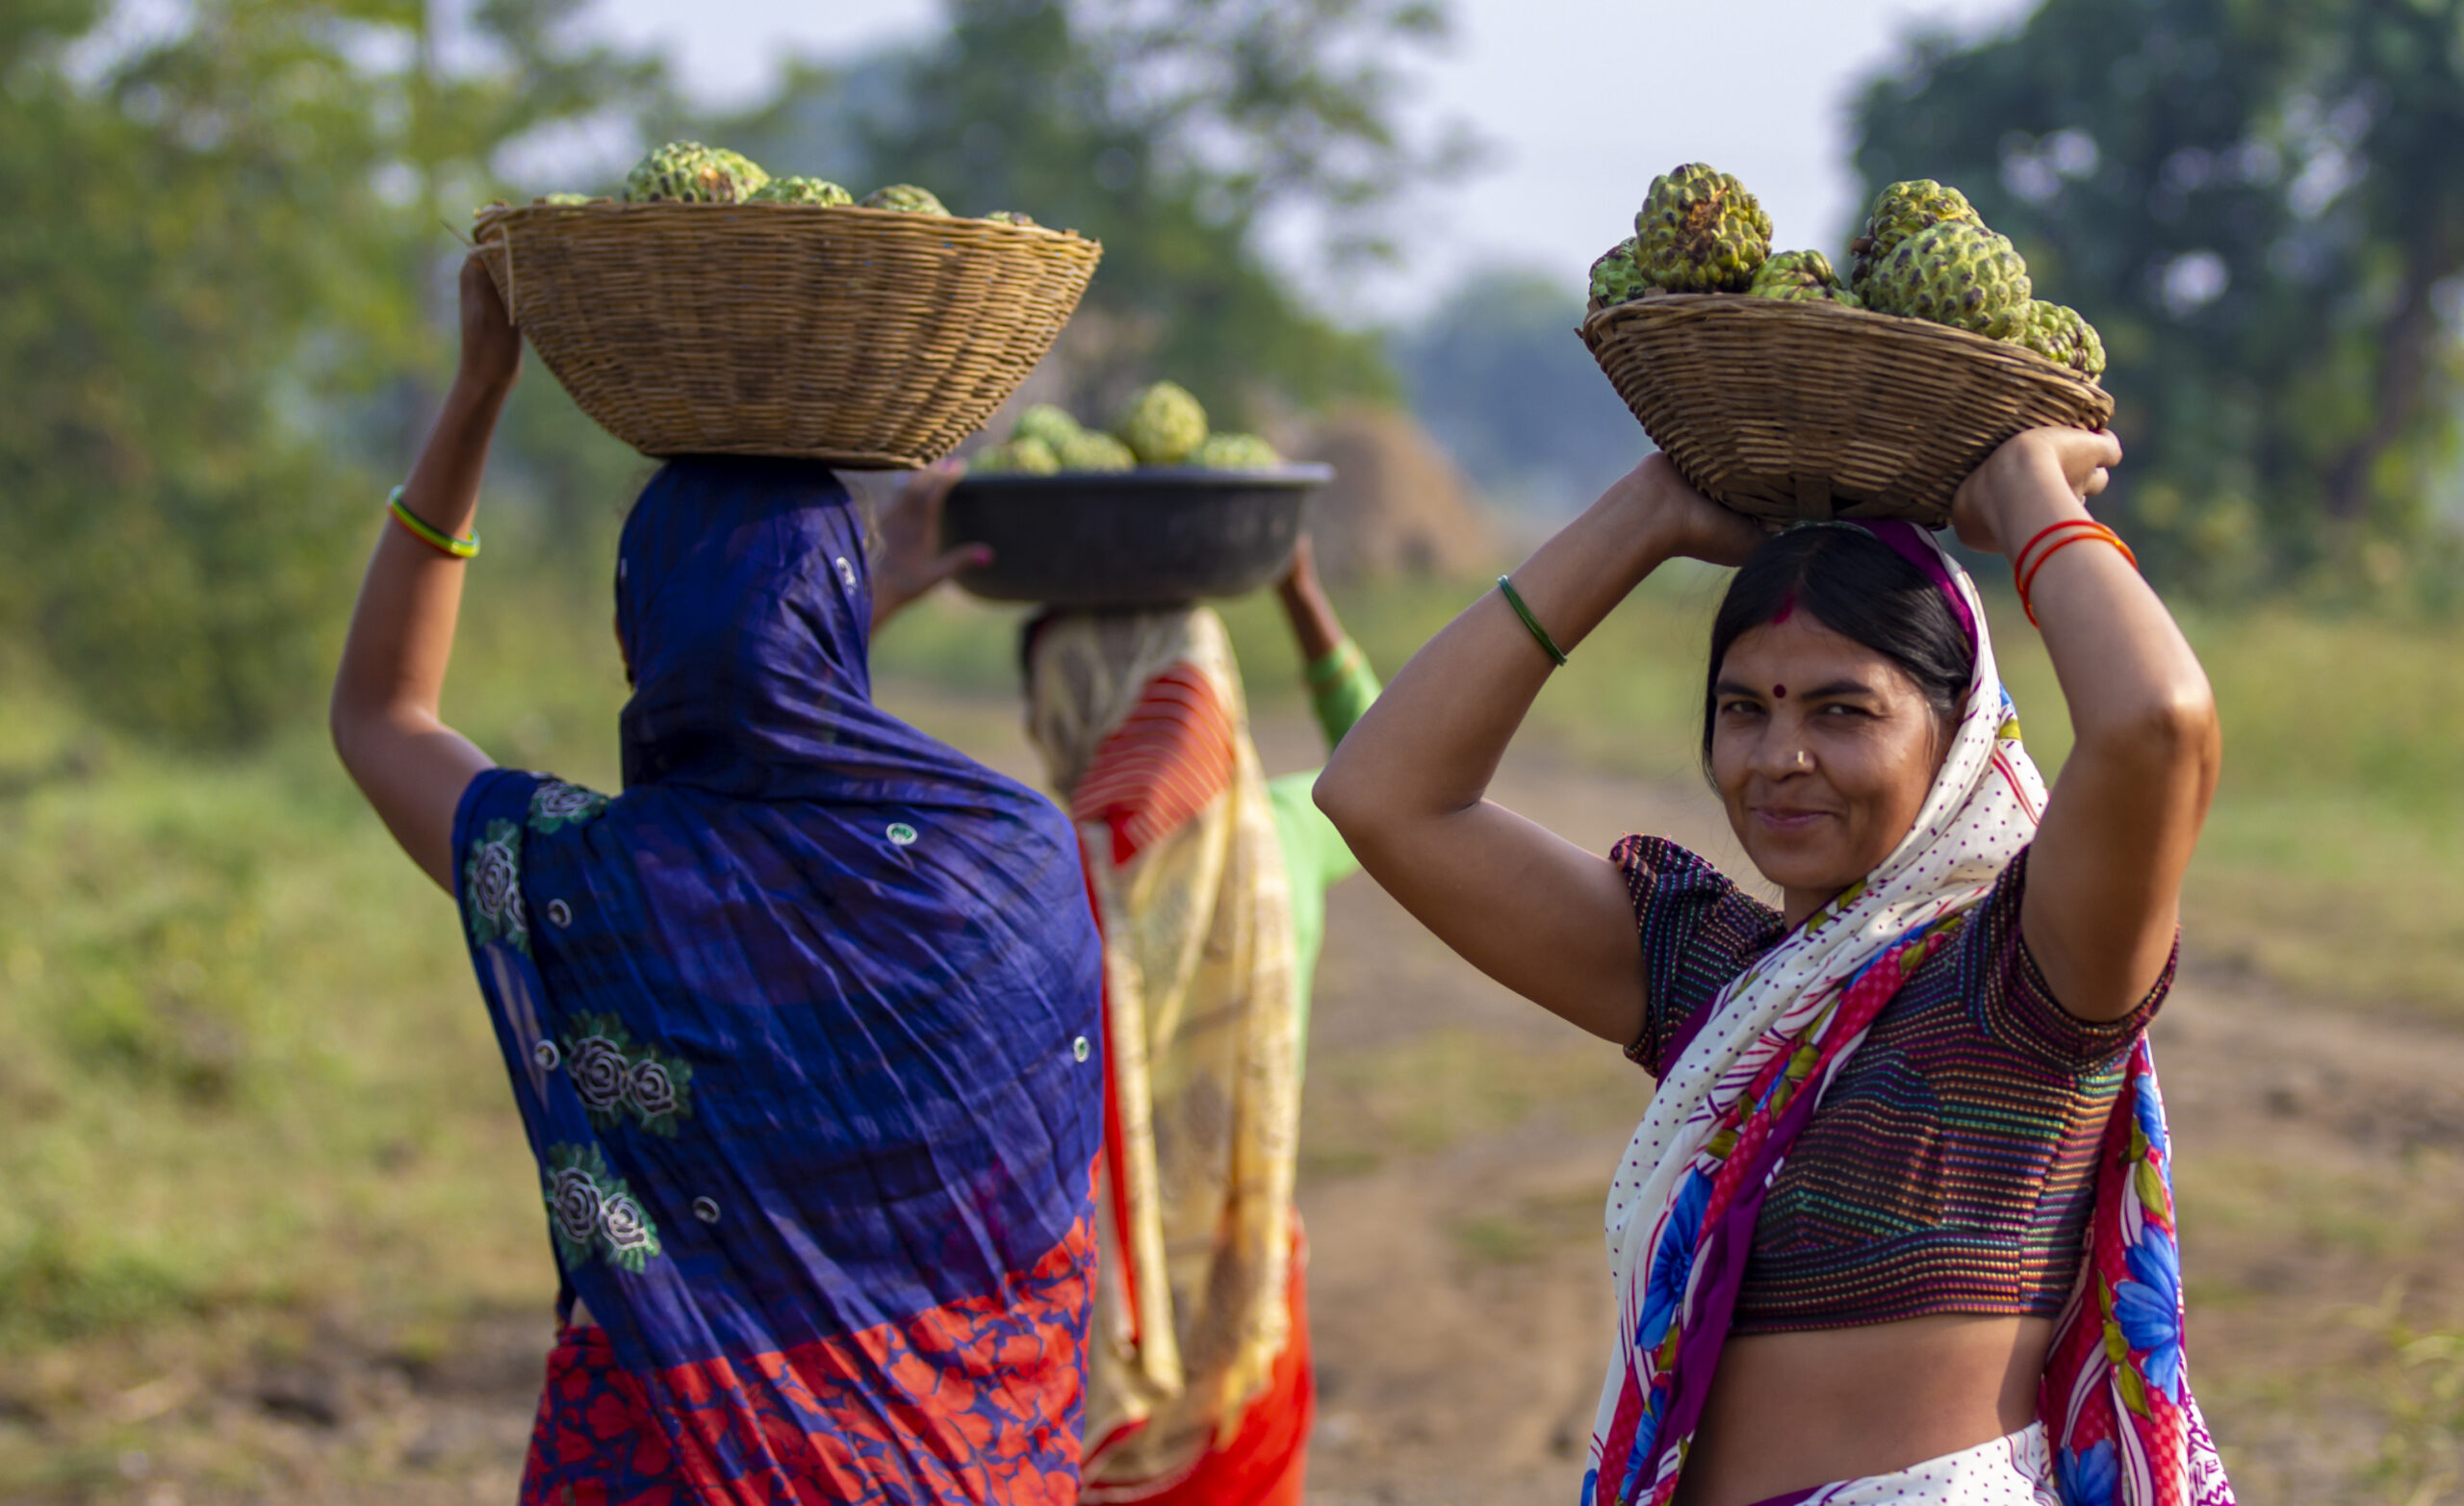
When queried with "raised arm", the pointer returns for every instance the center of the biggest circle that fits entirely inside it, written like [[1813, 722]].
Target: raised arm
[[2105, 873], [1341, 684], [410, 765], [1407, 787]]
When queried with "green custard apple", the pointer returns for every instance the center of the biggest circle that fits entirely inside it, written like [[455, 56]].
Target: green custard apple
[[563, 200], [1046, 422], [1018, 457], [1163, 425], [1901, 211], [1800, 277], [906, 198], [1092, 450], [1616, 277], [2060, 335], [1952, 273], [801, 190], [1700, 231], [689, 172], [1010, 217], [1236, 452]]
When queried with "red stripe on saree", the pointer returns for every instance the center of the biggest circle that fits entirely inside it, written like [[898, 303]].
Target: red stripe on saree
[[1171, 755]]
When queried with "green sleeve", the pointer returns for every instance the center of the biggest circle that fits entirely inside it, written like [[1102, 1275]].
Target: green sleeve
[[1341, 687]]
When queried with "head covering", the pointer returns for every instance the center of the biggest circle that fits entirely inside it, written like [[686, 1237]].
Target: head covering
[[1141, 720], [801, 1027], [1683, 1206]]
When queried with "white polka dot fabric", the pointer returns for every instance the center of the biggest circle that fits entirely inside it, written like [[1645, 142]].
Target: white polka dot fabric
[[1982, 810], [2017, 1470]]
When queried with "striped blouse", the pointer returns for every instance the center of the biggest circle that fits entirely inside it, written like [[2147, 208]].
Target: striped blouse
[[1950, 1169]]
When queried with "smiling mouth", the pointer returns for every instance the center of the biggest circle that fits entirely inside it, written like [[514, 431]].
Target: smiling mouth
[[1781, 818]]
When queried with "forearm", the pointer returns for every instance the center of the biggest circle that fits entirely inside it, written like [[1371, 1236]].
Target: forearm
[[1315, 626], [2134, 688], [1432, 742], [402, 633]]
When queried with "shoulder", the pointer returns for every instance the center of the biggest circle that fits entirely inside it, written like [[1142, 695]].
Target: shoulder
[[1697, 931]]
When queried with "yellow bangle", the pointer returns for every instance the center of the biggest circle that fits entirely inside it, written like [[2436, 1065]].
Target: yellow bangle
[[434, 538]]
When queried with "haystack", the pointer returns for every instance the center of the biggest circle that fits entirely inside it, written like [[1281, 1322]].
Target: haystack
[[1399, 505]]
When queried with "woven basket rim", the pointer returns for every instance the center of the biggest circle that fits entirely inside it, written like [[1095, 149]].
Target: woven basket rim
[[1870, 323], [494, 218]]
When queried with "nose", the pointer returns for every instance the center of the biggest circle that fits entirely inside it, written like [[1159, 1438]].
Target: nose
[[1780, 750]]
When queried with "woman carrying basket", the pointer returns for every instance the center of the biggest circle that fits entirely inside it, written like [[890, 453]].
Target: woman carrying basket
[[1209, 882], [1897, 1225], [803, 1025]]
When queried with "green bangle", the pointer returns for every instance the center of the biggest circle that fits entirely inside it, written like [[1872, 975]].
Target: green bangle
[[1335, 668], [434, 538], [1539, 634]]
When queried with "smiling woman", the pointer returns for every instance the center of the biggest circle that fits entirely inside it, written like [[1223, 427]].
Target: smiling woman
[[1902, 1121]]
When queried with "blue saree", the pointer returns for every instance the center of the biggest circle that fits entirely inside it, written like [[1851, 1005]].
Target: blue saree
[[803, 1026]]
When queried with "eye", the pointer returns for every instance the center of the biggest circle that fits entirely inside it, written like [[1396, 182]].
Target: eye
[[1740, 706], [1842, 708]]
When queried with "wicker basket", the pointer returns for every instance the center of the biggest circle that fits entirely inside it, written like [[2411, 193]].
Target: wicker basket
[[863, 337], [1784, 409]]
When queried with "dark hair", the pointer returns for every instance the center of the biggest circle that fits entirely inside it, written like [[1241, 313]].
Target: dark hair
[[1860, 588]]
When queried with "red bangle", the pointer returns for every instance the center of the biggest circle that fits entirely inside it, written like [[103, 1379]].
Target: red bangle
[[2100, 534], [2018, 561]]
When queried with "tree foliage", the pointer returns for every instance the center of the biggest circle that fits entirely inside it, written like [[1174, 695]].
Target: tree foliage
[[2262, 209], [215, 338], [1176, 132]]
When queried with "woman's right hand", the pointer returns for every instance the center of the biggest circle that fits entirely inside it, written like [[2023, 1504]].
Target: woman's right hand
[[1687, 523], [491, 341]]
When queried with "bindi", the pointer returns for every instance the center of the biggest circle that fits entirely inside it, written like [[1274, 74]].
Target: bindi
[[1779, 692]]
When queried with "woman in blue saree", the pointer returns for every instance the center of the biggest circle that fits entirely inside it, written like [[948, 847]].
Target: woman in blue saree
[[803, 1024]]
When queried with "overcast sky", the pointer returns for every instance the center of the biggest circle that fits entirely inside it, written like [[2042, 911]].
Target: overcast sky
[[1581, 100]]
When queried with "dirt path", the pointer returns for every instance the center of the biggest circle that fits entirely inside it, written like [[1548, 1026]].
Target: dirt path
[[1456, 1141]]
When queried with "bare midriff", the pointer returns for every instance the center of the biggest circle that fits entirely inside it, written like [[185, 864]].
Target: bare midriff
[[1789, 1412]]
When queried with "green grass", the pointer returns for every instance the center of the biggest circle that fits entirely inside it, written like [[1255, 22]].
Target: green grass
[[244, 1071]]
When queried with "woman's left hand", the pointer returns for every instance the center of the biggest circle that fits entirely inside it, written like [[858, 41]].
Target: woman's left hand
[[912, 561], [2037, 477]]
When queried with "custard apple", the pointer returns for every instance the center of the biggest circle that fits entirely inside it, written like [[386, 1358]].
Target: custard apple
[[2061, 336], [1617, 278], [1010, 217], [1954, 274], [1092, 450], [691, 173], [801, 190], [1047, 422], [1236, 452], [1700, 231], [1901, 211], [1799, 277], [562, 199], [905, 197], [1018, 457], [1163, 425]]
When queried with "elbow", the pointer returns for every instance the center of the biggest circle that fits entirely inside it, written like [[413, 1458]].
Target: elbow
[[1344, 795], [2176, 732]]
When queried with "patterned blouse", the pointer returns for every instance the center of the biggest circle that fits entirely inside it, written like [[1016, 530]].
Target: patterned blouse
[[1950, 1169]]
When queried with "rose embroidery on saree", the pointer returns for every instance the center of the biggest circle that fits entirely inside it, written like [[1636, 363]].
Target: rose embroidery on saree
[[492, 887], [592, 1212], [618, 1079], [557, 805]]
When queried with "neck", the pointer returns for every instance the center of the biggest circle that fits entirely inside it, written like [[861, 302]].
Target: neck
[[1798, 906]]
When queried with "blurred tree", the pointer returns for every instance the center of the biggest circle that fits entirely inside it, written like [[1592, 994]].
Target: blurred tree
[[1175, 131], [1498, 375], [2262, 208], [211, 295]]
